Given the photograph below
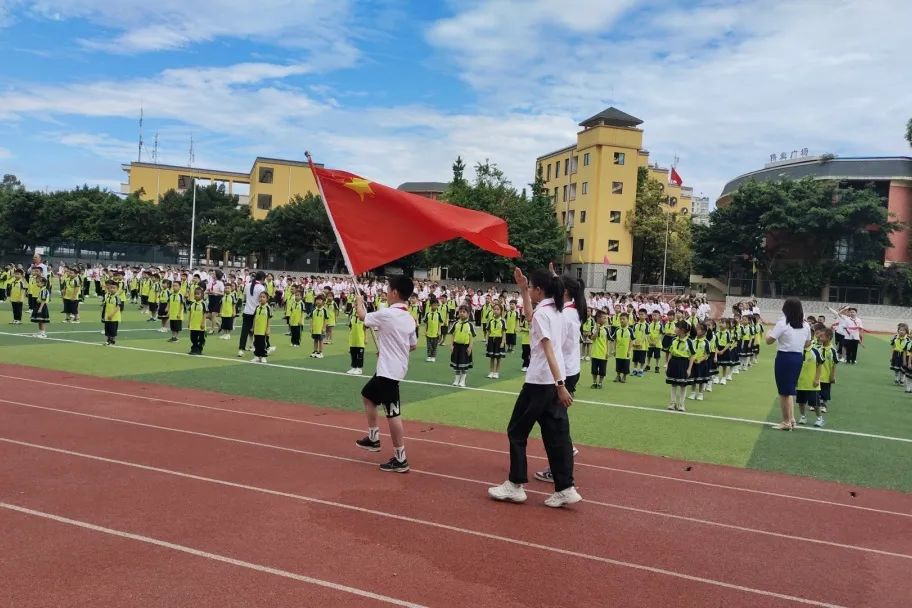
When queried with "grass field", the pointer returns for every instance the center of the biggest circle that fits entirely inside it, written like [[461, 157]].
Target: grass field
[[867, 441]]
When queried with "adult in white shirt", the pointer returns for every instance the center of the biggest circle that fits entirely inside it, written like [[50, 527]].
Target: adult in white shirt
[[215, 289], [251, 301], [396, 338], [852, 332], [792, 335], [573, 315], [544, 397]]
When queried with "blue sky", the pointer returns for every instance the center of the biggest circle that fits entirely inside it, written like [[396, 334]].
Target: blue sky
[[395, 89]]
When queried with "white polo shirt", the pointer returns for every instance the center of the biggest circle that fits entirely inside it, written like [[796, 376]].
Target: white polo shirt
[[251, 301], [789, 339], [570, 345], [547, 323], [395, 329]]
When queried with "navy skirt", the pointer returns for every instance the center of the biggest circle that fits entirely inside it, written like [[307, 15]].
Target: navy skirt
[[787, 369]]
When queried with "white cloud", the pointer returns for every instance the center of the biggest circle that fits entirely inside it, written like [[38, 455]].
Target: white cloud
[[172, 24], [721, 85], [4, 154]]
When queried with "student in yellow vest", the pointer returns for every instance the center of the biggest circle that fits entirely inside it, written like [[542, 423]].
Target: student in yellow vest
[[72, 293], [622, 337], [463, 332], [196, 320], [828, 370], [511, 319], [445, 315], [654, 338], [586, 331], [18, 291], [228, 311], [176, 304], [601, 336], [318, 326], [309, 297], [294, 305], [356, 345], [41, 313], [898, 350], [496, 332], [6, 274], [261, 317], [486, 309], [155, 288], [699, 375], [680, 365], [433, 322], [163, 296], [640, 343], [525, 341], [330, 308], [133, 285], [808, 387], [33, 288], [110, 312], [145, 284], [414, 310]]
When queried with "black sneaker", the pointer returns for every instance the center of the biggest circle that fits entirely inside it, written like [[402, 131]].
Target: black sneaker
[[395, 466], [365, 443]]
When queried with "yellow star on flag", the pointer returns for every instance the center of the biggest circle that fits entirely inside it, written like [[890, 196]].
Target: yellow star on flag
[[361, 186]]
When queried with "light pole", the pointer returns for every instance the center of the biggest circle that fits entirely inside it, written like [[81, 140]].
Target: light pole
[[665, 260], [193, 205]]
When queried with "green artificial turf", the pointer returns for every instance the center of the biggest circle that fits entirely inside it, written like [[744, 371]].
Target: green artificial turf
[[865, 399]]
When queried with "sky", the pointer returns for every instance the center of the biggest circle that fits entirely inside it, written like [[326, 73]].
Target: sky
[[394, 90]]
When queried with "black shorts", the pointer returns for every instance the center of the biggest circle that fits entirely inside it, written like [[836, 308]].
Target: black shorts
[[176, 325], [639, 356], [809, 398], [825, 391], [317, 337], [666, 342], [622, 366], [227, 323], [511, 339], [599, 367], [162, 311], [654, 352], [383, 392], [215, 304], [144, 301], [71, 307]]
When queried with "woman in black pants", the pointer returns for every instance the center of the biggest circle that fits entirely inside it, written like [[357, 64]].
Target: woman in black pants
[[251, 301]]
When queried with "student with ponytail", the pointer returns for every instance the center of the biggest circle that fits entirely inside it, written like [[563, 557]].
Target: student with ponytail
[[544, 397]]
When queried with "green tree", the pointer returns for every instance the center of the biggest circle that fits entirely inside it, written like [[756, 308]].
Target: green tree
[[10, 182], [649, 223], [909, 132], [300, 227]]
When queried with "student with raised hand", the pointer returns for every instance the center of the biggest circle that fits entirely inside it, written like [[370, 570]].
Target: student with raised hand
[[544, 398]]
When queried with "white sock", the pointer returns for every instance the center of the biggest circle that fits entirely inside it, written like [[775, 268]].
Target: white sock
[[373, 433], [400, 454]]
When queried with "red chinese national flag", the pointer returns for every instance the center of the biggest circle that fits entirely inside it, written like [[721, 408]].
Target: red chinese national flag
[[676, 177], [376, 224]]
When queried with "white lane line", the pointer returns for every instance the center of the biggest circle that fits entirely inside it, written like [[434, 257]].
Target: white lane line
[[212, 556], [463, 446], [449, 388], [324, 455], [447, 527]]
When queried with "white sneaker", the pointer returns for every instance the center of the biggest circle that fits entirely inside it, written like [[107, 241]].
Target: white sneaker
[[700, 397], [819, 422], [351, 372], [692, 397], [359, 371], [462, 381], [240, 353], [723, 382], [256, 360], [456, 381], [575, 451], [802, 420], [271, 349], [427, 359], [508, 492], [715, 381], [524, 369], [490, 374], [564, 497], [225, 337], [433, 359], [264, 360], [709, 388], [497, 375], [319, 356]]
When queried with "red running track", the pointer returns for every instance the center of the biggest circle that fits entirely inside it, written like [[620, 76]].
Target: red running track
[[126, 494]]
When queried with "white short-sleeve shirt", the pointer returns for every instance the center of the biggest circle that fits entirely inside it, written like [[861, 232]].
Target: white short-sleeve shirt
[[547, 323], [251, 301], [851, 328], [395, 329], [570, 345], [789, 339]]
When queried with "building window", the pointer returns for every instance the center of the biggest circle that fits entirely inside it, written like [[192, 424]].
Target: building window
[[582, 244], [574, 164], [566, 191], [566, 166], [611, 274], [586, 159], [582, 217], [569, 249], [579, 273], [183, 182], [843, 250], [557, 169], [264, 201], [614, 245], [619, 158], [563, 218], [549, 173], [615, 217], [617, 187], [585, 187], [572, 192], [570, 217], [265, 175], [555, 194]]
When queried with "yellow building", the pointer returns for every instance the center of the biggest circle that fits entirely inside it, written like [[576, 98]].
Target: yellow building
[[270, 182], [593, 184]]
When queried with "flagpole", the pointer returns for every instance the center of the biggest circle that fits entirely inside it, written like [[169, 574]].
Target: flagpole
[[665, 261], [193, 207]]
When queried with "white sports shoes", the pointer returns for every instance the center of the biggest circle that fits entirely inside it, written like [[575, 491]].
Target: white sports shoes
[[564, 497], [508, 492]]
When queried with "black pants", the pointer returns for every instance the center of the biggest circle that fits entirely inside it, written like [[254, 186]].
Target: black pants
[[197, 340], [851, 349], [526, 354], [260, 346], [357, 357], [432, 346], [538, 403], [295, 335], [110, 329], [246, 328], [17, 310]]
